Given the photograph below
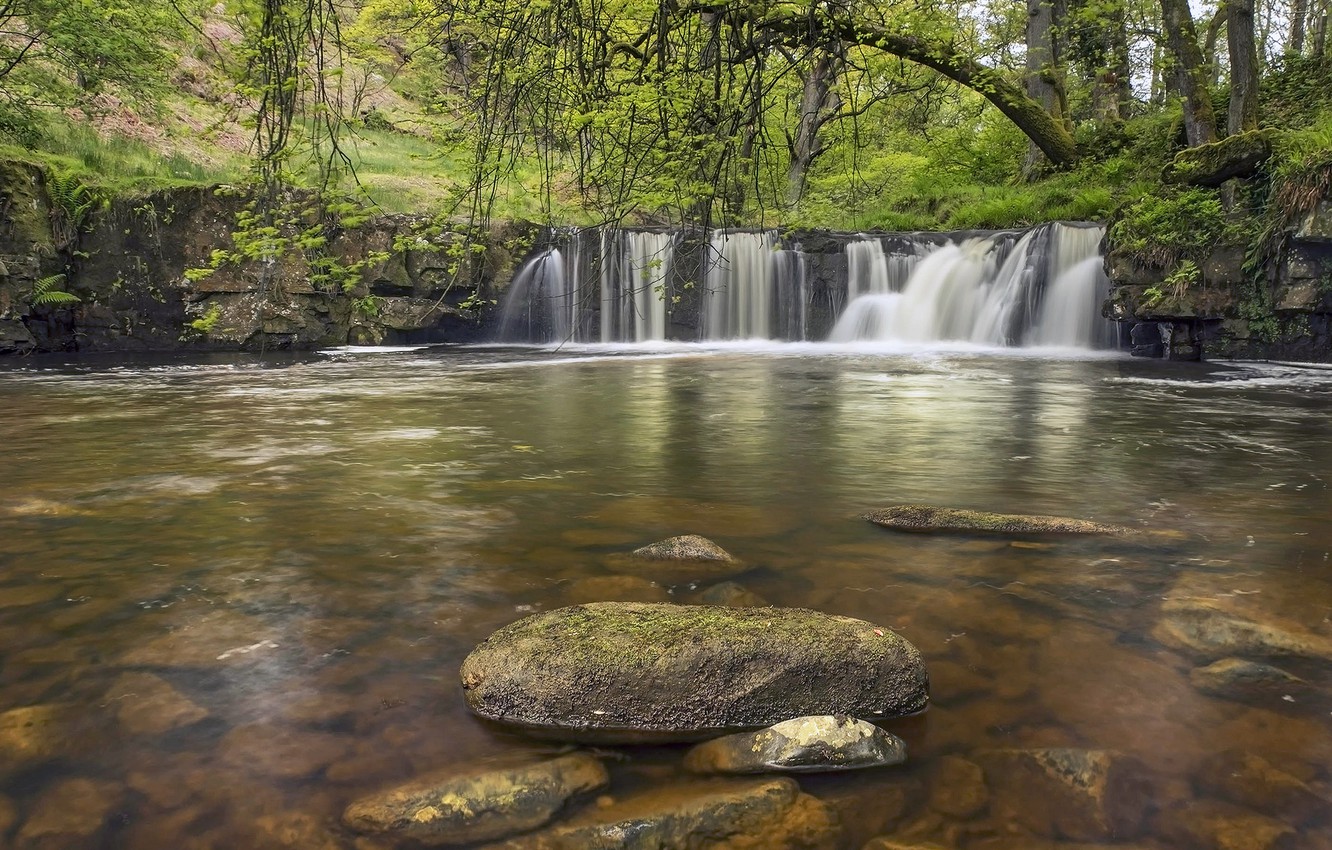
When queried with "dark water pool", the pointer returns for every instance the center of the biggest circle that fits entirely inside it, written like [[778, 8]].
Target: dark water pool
[[234, 598]]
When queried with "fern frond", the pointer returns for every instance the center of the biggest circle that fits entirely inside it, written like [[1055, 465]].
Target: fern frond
[[46, 293]]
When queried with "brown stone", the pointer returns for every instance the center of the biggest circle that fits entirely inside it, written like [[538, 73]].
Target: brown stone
[[9, 815], [281, 752], [144, 704], [1211, 629], [1254, 782], [69, 814], [31, 734], [732, 595], [448, 808], [718, 815], [936, 520], [1222, 826], [217, 638], [1080, 795], [957, 788]]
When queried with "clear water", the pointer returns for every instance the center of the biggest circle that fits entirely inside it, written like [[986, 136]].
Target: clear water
[[307, 552]]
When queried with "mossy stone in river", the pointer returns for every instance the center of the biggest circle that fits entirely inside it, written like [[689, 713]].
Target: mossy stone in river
[[624, 672], [445, 808], [679, 560], [934, 520], [803, 744]]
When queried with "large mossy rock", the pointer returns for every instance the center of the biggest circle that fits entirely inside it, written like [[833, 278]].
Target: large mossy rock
[[446, 808], [1241, 155], [625, 672], [928, 519]]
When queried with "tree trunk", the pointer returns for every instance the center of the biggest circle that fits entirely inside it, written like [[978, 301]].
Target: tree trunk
[[1299, 10], [1319, 29], [1190, 73], [1214, 27], [1243, 114], [818, 102], [1045, 83]]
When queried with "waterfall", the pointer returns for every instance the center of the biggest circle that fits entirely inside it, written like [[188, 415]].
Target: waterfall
[[738, 287], [1042, 286], [988, 290]]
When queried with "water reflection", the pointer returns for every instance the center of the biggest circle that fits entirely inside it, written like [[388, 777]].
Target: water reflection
[[292, 563]]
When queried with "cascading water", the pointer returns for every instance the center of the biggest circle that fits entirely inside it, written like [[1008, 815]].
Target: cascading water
[[1037, 287], [988, 290]]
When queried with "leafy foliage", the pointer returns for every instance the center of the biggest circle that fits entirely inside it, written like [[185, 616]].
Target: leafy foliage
[[46, 293]]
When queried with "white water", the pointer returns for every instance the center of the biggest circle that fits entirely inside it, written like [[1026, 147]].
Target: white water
[[983, 290], [542, 302], [738, 288], [638, 296]]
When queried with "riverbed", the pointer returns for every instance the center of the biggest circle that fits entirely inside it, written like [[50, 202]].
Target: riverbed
[[234, 595]]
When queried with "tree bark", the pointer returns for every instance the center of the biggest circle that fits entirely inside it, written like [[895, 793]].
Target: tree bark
[[818, 102], [1190, 72], [1243, 115], [1044, 69], [1299, 10]]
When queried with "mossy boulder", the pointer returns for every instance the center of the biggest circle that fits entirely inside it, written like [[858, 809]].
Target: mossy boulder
[[679, 560], [449, 808], [933, 520], [625, 672], [1211, 165]]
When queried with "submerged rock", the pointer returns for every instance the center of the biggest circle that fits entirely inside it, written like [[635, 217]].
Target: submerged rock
[[1082, 795], [9, 815], [733, 595], [1236, 678], [718, 815], [145, 704], [804, 744], [445, 808], [615, 589], [623, 671], [957, 788], [1206, 628], [933, 520], [1207, 823], [1251, 780], [31, 734], [687, 547], [69, 814]]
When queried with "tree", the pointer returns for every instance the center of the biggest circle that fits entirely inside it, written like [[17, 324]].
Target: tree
[[1243, 115], [1190, 71]]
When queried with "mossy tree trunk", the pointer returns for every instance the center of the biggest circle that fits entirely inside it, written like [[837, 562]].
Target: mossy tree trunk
[[1190, 71], [1045, 68], [819, 101], [1243, 114]]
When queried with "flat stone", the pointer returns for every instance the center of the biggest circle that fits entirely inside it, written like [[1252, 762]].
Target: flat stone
[[934, 520], [280, 752], [69, 814], [1237, 678], [146, 705], [1080, 795], [803, 744], [31, 734], [732, 595], [1252, 781], [957, 788], [718, 815], [1207, 628], [445, 808], [687, 547], [1222, 826], [216, 638], [623, 671]]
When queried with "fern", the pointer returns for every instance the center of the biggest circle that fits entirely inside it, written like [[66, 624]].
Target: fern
[[71, 204], [45, 293]]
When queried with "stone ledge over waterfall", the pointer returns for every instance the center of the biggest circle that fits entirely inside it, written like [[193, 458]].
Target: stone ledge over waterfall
[[1040, 286]]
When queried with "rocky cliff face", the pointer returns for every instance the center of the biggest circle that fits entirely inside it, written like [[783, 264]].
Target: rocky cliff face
[[1283, 312], [126, 261]]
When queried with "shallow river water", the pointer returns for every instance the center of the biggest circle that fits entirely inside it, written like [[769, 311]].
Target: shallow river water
[[234, 597]]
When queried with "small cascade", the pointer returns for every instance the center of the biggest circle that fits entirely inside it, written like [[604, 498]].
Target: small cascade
[[738, 288], [873, 271], [793, 294], [635, 270], [1000, 290], [542, 302]]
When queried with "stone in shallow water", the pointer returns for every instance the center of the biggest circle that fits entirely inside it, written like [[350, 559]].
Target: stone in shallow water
[[144, 704], [803, 744], [279, 751], [219, 637], [31, 734], [717, 815], [733, 595], [1251, 780], [614, 589], [957, 788], [930, 519], [9, 815], [1237, 678], [1083, 795], [679, 560], [69, 814], [1204, 627], [624, 672], [687, 547], [445, 808], [1211, 824]]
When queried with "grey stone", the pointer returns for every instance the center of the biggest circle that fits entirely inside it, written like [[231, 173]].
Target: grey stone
[[446, 808], [803, 744], [679, 560], [1203, 627], [687, 547], [624, 672], [716, 815]]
